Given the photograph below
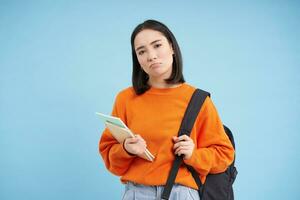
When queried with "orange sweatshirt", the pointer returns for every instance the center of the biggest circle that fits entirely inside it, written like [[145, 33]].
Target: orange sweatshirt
[[156, 115]]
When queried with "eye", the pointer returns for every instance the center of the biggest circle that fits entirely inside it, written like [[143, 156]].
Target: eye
[[141, 52], [157, 45]]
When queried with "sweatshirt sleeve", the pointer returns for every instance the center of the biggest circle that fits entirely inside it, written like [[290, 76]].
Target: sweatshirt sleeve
[[116, 159], [213, 151]]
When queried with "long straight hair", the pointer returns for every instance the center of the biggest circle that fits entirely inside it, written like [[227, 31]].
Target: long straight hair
[[139, 77]]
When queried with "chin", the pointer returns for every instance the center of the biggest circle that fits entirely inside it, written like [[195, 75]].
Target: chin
[[159, 74]]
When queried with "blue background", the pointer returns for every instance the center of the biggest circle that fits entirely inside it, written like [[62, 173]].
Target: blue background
[[61, 61]]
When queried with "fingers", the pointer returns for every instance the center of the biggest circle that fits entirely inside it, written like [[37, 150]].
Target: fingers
[[184, 145], [182, 150], [136, 145], [186, 154], [135, 139], [183, 140]]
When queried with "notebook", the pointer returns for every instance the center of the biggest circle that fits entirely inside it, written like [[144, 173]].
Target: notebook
[[120, 132]]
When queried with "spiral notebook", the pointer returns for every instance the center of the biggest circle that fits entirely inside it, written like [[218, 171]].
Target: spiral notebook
[[120, 132]]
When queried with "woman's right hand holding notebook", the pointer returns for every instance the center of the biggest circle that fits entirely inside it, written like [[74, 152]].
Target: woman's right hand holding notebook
[[135, 145]]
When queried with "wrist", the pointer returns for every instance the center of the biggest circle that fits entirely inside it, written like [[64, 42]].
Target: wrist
[[131, 154]]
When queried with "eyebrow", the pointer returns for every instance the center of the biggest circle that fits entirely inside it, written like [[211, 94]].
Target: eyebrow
[[144, 46]]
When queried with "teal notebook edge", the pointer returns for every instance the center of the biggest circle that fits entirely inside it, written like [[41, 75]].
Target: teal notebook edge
[[111, 119]]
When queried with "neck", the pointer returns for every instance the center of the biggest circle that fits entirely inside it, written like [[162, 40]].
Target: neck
[[161, 84]]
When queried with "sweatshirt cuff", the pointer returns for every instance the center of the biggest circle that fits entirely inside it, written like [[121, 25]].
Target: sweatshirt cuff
[[191, 161], [200, 161], [126, 152]]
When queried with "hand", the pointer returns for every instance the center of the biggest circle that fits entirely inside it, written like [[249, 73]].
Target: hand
[[184, 145], [135, 146]]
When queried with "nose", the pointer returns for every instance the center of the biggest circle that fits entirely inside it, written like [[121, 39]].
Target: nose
[[151, 55]]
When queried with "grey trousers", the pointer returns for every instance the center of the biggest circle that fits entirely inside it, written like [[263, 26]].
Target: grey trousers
[[135, 191]]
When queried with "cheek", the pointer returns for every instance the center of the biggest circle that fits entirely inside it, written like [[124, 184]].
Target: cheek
[[166, 53], [143, 63], [167, 56], [141, 60]]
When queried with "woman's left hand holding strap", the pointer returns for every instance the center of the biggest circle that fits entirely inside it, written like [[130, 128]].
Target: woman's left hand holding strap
[[183, 145]]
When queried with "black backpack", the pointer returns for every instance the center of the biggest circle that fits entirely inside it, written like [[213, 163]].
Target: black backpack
[[216, 186]]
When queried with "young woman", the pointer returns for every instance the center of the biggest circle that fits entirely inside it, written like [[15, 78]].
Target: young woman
[[153, 109]]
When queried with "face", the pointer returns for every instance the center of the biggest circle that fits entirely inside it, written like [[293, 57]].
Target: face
[[154, 53]]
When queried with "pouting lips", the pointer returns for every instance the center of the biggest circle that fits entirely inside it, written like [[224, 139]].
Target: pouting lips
[[155, 65]]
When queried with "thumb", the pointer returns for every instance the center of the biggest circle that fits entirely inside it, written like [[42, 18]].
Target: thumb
[[131, 140]]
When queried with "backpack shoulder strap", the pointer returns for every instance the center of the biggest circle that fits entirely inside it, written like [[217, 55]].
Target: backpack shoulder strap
[[186, 126], [192, 111]]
